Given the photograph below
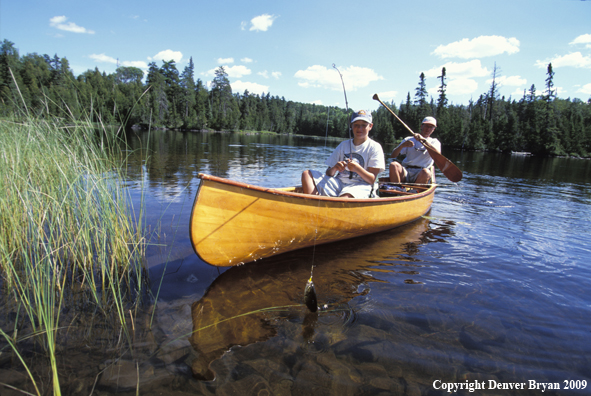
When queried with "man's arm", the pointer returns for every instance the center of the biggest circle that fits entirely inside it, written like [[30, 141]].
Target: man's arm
[[406, 143]]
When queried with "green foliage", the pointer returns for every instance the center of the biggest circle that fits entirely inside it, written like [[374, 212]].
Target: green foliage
[[167, 98]]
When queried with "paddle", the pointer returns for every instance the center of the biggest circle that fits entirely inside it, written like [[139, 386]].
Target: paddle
[[452, 172]]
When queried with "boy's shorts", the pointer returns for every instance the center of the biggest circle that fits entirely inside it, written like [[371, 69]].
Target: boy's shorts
[[334, 187]]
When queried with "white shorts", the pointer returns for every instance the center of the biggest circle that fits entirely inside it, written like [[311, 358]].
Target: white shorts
[[334, 187]]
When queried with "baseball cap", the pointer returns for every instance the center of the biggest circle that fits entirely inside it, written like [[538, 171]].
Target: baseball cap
[[361, 115], [430, 120]]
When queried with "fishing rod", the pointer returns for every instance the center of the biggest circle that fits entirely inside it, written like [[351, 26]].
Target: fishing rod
[[347, 107]]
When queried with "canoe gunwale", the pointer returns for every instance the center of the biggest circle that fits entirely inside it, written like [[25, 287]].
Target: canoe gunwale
[[278, 191]]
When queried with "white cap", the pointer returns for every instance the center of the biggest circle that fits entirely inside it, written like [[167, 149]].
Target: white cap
[[430, 120], [361, 115]]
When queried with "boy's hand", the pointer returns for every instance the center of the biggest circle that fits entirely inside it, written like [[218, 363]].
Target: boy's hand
[[351, 166]]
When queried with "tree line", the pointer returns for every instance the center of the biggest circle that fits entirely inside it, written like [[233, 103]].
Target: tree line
[[165, 97]]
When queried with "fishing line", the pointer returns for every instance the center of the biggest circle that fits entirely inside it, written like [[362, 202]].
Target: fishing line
[[349, 121], [309, 291], [310, 298]]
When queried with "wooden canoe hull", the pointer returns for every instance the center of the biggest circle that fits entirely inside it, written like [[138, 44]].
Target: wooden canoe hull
[[233, 223]]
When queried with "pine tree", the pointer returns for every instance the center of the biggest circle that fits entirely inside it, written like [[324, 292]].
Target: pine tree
[[188, 99], [202, 108], [158, 100], [421, 100], [174, 93], [493, 92], [442, 100], [222, 101], [551, 141], [9, 62]]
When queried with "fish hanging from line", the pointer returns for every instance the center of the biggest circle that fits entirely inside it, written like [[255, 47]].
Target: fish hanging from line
[[310, 294]]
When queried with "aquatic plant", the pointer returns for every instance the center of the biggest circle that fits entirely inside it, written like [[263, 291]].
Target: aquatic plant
[[67, 228]]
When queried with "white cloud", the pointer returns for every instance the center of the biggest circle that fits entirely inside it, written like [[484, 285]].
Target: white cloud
[[246, 60], [464, 70], [265, 74], [102, 58], [237, 71], [138, 64], [253, 88], [318, 76], [582, 39], [222, 61], [59, 22], [168, 55], [512, 81], [586, 89], [261, 23], [109, 59], [574, 59], [461, 86], [317, 102], [478, 47]]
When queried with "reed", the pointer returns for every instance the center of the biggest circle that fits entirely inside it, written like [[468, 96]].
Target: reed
[[66, 225]]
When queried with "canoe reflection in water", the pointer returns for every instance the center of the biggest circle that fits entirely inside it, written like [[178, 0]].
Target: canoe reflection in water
[[251, 303]]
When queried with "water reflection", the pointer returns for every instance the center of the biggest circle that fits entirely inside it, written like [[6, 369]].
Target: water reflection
[[249, 304], [520, 168]]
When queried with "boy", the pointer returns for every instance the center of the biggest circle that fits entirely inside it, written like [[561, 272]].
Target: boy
[[362, 157]]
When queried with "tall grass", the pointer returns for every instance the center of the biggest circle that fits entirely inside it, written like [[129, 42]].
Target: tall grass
[[66, 224]]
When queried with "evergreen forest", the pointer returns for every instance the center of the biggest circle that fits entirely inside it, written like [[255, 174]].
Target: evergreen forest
[[166, 97]]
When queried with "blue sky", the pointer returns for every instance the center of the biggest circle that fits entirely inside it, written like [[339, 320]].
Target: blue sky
[[288, 48]]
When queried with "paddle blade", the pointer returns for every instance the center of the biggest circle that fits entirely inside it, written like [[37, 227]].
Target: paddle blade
[[448, 168]]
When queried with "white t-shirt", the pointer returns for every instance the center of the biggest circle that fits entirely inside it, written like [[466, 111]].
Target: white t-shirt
[[369, 154], [418, 155]]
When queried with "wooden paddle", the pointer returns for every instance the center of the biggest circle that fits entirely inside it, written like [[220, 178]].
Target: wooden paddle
[[452, 172]]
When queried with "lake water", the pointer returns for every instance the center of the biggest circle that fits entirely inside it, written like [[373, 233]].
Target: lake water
[[489, 290]]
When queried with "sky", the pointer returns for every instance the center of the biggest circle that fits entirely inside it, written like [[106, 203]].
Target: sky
[[288, 48]]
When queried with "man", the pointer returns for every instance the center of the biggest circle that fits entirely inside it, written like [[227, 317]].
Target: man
[[361, 157], [416, 166]]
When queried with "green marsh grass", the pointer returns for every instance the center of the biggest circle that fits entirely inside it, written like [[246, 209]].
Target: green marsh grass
[[67, 229]]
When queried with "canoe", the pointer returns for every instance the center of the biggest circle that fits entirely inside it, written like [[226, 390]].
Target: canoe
[[234, 223]]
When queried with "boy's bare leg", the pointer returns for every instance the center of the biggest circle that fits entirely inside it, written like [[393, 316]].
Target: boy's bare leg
[[308, 185]]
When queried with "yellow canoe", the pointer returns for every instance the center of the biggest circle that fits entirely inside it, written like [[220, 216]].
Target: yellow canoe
[[234, 223]]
